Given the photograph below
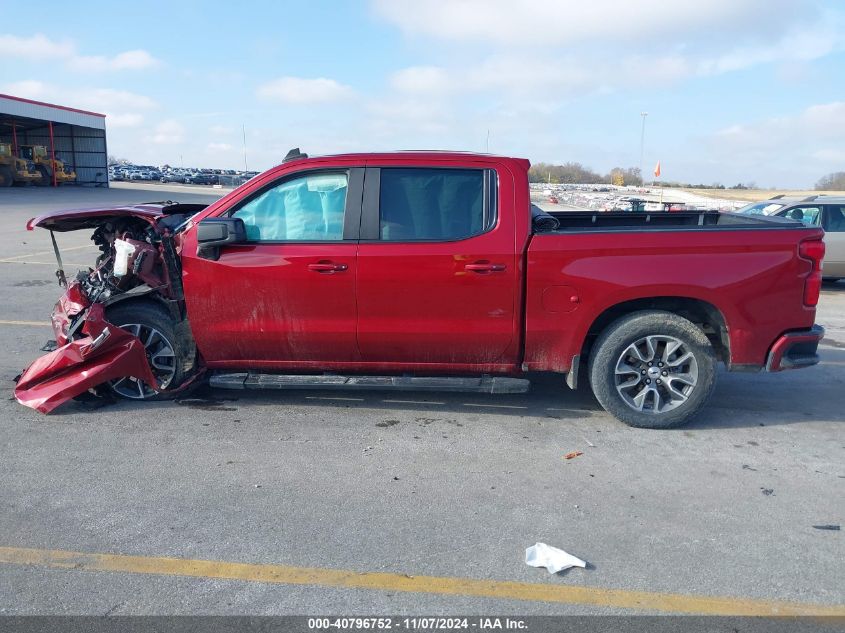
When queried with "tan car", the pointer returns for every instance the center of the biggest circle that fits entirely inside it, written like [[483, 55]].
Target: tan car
[[825, 211], [829, 213]]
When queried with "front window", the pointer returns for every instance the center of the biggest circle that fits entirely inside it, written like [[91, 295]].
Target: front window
[[304, 209], [808, 215]]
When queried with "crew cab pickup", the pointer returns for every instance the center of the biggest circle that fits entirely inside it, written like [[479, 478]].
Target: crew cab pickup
[[426, 270]]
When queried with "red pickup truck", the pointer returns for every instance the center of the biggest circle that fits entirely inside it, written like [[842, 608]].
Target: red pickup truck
[[426, 270]]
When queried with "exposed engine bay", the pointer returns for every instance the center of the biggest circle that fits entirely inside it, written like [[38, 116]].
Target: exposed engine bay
[[135, 259], [138, 259]]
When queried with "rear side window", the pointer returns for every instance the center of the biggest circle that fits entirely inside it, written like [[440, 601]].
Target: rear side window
[[435, 204], [834, 219], [811, 216], [304, 209]]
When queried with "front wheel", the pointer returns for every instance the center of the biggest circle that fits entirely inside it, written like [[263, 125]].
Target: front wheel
[[45, 179], [167, 351], [653, 370]]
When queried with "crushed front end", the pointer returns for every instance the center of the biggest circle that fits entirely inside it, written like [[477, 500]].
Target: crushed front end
[[138, 261]]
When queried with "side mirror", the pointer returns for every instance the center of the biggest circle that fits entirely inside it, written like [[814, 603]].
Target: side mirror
[[212, 233]]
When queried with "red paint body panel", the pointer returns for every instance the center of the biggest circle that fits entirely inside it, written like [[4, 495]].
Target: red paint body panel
[[259, 304], [81, 364], [73, 219], [455, 302], [757, 285], [262, 303]]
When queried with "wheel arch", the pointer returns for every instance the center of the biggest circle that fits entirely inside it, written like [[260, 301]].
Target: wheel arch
[[149, 297], [703, 314]]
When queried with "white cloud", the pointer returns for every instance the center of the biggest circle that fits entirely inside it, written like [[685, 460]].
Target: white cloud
[[36, 48], [830, 155], [168, 132], [121, 107], [529, 23], [422, 80], [40, 48], [563, 48], [27, 88], [815, 126], [124, 120], [219, 147], [129, 60], [795, 148], [296, 90], [110, 99]]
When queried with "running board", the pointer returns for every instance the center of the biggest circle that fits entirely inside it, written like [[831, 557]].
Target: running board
[[484, 384]]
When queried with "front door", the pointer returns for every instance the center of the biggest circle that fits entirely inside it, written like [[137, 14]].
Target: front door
[[287, 296], [437, 274]]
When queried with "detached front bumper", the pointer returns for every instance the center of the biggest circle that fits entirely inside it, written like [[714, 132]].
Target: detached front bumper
[[104, 352], [795, 350]]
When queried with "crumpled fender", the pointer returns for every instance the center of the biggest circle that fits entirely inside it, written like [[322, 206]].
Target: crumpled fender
[[105, 353]]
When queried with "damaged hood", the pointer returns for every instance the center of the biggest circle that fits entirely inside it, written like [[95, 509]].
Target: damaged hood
[[89, 218]]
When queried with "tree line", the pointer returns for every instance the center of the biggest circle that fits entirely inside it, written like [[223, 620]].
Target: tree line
[[572, 173], [832, 182]]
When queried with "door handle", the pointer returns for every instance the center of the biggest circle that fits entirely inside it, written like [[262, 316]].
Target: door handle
[[485, 267], [327, 267]]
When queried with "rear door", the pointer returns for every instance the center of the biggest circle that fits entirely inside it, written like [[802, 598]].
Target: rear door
[[437, 271], [287, 296], [834, 239]]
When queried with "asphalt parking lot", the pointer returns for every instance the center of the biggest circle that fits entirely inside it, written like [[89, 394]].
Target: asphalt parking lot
[[324, 502]]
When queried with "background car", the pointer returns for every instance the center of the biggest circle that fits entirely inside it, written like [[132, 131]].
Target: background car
[[825, 211]]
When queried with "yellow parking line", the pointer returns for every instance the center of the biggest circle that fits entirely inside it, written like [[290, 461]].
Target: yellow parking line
[[382, 581], [32, 323]]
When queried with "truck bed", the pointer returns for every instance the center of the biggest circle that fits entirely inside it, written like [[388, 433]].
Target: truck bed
[[571, 221], [746, 267]]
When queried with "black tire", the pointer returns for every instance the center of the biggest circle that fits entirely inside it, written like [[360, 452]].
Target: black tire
[[141, 318], [672, 400], [45, 176], [6, 177]]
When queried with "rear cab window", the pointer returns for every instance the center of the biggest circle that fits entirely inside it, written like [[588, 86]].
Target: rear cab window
[[435, 204]]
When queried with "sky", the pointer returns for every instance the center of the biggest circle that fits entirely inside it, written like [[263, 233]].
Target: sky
[[746, 91]]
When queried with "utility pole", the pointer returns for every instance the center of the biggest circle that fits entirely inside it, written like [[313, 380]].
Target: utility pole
[[488, 141], [642, 147], [243, 130]]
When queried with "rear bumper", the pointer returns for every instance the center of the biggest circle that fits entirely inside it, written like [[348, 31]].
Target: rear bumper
[[795, 350]]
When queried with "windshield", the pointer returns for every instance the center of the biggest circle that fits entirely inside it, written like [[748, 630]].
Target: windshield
[[761, 208]]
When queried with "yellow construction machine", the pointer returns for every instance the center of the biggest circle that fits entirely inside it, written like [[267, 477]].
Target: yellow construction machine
[[16, 170], [47, 166]]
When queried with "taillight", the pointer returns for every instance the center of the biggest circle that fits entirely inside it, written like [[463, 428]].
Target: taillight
[[813, 251]]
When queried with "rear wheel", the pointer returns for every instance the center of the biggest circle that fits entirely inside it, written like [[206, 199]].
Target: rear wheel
[[6, 177], [166, 350], [653, 369]]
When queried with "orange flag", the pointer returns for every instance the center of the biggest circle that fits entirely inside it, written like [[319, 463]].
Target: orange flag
[[657, 170]]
